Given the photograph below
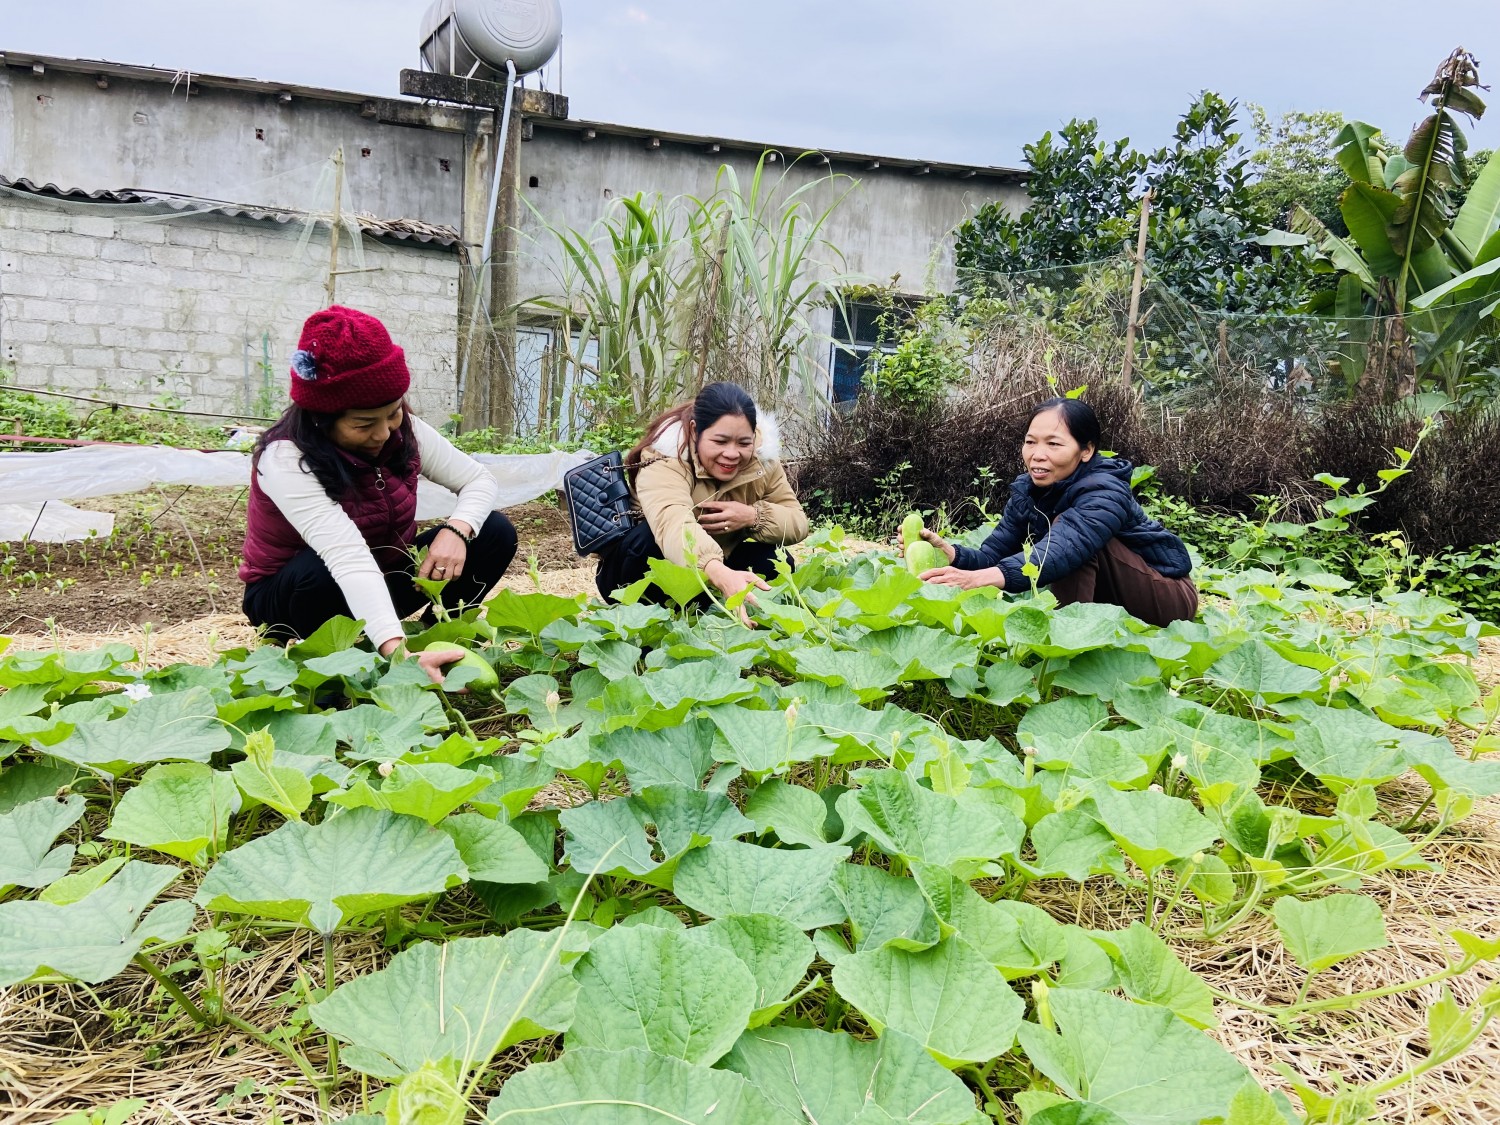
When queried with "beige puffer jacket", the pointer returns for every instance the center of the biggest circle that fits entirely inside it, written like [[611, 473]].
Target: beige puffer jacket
[[670, 491]]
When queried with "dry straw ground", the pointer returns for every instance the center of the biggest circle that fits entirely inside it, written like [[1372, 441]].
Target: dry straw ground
[[64, 1048]]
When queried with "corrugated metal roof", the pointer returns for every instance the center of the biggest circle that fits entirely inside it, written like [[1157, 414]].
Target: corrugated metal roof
[[404, 230]]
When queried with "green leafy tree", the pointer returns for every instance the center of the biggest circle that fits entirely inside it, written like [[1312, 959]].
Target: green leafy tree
[[1086, 202], [1295, 165]]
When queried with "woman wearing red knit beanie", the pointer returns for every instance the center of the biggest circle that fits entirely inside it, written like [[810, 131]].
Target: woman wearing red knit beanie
[[333, 497]]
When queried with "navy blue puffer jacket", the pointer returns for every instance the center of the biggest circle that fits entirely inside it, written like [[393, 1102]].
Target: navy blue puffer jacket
[[1069, 523]]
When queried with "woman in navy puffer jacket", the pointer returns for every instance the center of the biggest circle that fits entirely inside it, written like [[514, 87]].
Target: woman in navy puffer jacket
[[1072, 514]]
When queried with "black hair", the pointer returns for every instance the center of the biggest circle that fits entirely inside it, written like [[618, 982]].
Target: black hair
[[714, 401], [310, 432], [1078, 416]]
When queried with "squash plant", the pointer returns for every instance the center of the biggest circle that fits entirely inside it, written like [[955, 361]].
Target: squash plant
[[764, 876]]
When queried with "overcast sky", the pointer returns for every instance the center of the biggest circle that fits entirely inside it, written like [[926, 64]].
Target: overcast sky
[[968, 81]]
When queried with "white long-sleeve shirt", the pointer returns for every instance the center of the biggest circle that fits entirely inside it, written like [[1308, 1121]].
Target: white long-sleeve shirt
[[327, 528]]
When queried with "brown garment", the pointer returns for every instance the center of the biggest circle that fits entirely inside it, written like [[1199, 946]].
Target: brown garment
[[671, 489], [1119, 576]]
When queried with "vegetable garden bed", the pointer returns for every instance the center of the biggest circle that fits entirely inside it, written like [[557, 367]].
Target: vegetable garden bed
[[903, 853]]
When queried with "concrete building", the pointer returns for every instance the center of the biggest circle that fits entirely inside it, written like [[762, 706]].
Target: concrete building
[[159, 233]]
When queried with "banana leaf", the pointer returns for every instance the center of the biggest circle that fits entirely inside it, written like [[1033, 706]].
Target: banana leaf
[[1356, 156], [1479, 218]]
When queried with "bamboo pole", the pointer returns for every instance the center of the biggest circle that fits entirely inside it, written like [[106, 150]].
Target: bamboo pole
[[1135, 290], [338, 221]]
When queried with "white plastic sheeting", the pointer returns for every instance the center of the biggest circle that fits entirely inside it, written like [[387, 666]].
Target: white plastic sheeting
[[32, 485], [51, 522]]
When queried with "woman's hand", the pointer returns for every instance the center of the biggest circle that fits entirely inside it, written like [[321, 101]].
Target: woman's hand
[[931, 537], [429, 661], [446, 556], [963, 579], [939, 542], [731, 582], [721, 517]]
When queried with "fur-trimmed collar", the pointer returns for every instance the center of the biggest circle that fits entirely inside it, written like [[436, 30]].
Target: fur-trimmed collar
[[767, 438]]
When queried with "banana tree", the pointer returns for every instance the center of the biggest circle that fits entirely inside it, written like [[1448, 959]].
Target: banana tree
[[1407, 256]]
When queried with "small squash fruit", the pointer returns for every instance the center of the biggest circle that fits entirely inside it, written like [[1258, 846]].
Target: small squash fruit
[[476, 673], [921, 556]]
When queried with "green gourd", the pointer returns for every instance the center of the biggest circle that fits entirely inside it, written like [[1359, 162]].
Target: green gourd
[[921, 555], [483, 678]]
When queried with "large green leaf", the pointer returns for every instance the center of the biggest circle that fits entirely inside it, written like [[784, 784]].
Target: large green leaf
[[775, 951], [796, 814], [1072, 844], [1355, 155], [866, 674], [492, 850], [63, 673], [661, 991], [1368, 211], [885, 908], [521, 779], [921, 653], [1343, 747], [95, 937], [1153, 828], [863, 734], [182, 726], [1479, 217], [1259, 670], [644, 837], [428, 790], [948, 998], [1015, 937], [27, 833], [906, 820], [1150, 972], [835, 1079], [1322, 932], [464, 1000], [376, 733], [529, 613], [729, 877], [1095, 753], [24, 782], [1470, 288], [676, 755], [1070, 717], [282, 787], [631, 1087], [1141, 1063], [180, 808], [1100, 672], [321, 876], [762, 741]]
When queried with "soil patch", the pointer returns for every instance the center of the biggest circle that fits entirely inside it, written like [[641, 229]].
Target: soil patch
[[173, 558]]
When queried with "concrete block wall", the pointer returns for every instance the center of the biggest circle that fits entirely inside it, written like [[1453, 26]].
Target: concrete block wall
[[126, 303]]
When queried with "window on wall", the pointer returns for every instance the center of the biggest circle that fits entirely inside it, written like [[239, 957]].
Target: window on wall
[[549, 389], [860, 329]]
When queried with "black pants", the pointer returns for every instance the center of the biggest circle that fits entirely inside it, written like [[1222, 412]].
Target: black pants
[[302, 595], [627, 559]]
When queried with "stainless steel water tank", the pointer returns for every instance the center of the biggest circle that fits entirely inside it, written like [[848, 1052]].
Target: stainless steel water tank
[[475, 38]]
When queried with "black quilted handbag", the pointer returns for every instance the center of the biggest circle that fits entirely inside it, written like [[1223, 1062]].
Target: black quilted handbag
[[599, 505]]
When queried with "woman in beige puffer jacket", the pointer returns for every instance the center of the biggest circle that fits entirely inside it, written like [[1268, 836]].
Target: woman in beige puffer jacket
[[712, 492]]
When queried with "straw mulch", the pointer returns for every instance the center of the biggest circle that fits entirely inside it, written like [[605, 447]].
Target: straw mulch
[[189, 642]]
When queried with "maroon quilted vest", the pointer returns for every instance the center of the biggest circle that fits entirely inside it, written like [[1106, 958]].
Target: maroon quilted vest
[[382, 504]]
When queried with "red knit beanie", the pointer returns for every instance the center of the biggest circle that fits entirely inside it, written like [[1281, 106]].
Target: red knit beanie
[[345, 361]]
